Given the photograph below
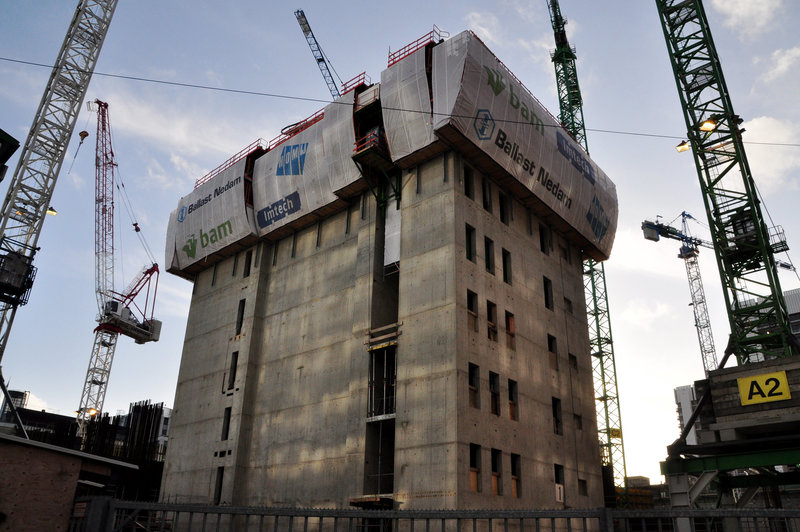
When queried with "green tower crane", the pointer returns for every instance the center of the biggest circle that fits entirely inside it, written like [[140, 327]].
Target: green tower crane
[[743, 245], [609, 422]]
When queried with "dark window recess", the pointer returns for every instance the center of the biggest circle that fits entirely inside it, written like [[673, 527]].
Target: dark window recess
[[511, 335], [474, 386], [552, 343], [294, 244], [578, 421], [497, 472], [218, 485], [487, 194], [545, 239], [469, 183], [226, 424], [513, 400], [568, 305], [214, 275], [488, 247], [232, 369], [474, 467], [505, 208], [248, 260], [558, 474], [506, 266], [573, 362], [275, 252], [235, 265], [548, 293], [494, 392], [319, 234], [558, 422], [516, 475], [470, 243], [583, 489], [240, 317], [382, 381], [565, 254], [472, 311], [491, 320]]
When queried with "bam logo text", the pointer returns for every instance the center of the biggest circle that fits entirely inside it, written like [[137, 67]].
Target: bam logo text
[[212, 237]]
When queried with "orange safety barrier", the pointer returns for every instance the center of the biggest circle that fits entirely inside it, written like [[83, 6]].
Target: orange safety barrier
[[230, 162], [434, 35]]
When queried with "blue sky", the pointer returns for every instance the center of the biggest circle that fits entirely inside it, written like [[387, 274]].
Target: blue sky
[[166, 136]]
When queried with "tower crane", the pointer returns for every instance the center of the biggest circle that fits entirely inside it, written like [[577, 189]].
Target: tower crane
[[118, 312], [743, 245], [688, 252], [317, 51], [31, 188], [609, 421]]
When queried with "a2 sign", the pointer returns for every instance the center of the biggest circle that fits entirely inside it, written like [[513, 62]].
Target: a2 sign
[[764, 388]]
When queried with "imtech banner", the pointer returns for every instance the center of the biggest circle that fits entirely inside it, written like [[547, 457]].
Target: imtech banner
[[301, 174], [212, 217], [478, 95]]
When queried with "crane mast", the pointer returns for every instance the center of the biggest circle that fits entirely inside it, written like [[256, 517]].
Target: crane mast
[[743, 245], [317, 51], [689, 252], [31, 188], [609, 421], [115, 316]]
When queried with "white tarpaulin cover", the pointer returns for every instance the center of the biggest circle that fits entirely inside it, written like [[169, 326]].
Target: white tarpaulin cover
[[476, 94], [406, 106], [301, 175], [209, 219]]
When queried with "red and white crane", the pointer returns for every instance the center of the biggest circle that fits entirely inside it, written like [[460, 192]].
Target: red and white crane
[[130, 312]]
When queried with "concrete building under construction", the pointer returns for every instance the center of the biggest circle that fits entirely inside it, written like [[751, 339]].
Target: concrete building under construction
[[388, 304]]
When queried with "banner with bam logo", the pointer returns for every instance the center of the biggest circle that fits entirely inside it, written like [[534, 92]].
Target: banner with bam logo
[[478, 100], [211, 218]]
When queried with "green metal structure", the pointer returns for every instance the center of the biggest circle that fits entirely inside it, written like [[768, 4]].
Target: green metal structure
[[609, 422], [743, 245]]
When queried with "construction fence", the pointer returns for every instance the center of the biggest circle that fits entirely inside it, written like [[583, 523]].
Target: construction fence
[[102, 514]]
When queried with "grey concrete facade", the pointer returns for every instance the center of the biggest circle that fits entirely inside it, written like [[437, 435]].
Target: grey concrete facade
[[493, 399]]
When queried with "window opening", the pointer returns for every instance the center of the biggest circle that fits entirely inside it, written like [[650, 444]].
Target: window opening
[[475, 467], [513, 400], [545, 239], [506, 266], [248, 259], [474, 386], [470, 243], [226, 424], [558, 422], [232, 369], [469, 183], [491, 320], [497, 472], [488, 246], [472, 310], [487, 194], [548, 293], [240, 317], [516, 475], [511, 336], [382, 381], [494, 392]]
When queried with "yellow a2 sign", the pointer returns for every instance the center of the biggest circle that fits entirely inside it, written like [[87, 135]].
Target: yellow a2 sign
[[764, 388]]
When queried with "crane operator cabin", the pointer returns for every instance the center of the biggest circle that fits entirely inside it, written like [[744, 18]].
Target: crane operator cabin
[[388, 304]]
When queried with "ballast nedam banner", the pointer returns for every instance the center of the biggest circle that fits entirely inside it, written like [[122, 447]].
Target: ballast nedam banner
[[475, 93]]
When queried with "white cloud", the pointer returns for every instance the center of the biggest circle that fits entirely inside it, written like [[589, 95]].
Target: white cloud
[[485, 25], [644, 315], [746, 16], [36, 403], [773, 166], [781, 62]]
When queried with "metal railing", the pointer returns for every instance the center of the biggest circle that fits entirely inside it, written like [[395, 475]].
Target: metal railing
[[107, 515]]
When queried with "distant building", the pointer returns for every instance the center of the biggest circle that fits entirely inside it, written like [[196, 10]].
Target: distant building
[[401, 324], [686, 401]]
